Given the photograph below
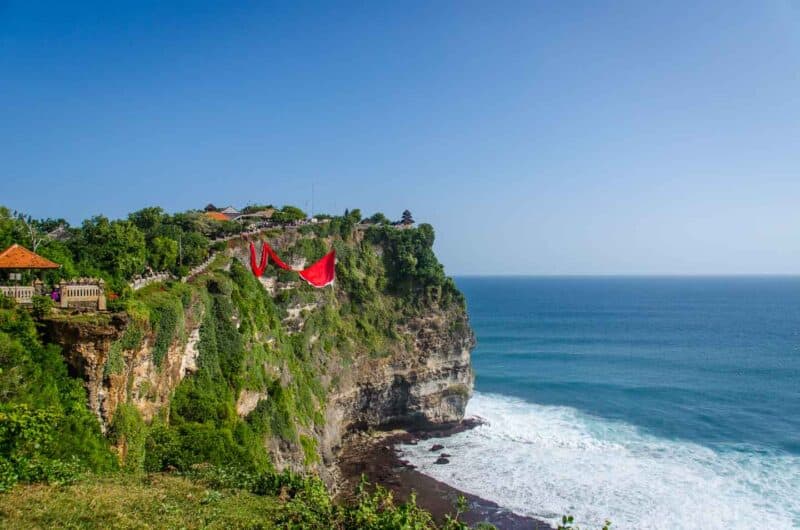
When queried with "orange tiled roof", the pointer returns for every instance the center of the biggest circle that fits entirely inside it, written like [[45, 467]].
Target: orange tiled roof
[[217, 216], [17, 257]]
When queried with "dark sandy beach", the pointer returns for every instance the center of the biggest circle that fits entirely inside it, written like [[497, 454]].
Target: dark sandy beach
[[375, 456]]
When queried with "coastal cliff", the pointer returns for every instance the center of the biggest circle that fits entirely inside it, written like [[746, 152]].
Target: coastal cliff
[[272, 365]]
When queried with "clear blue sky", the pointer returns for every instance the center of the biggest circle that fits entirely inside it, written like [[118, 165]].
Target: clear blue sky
[[538, 138]]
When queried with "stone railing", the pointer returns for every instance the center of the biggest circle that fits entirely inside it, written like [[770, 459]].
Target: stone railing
[[82, 292], [199, 268], [143, 281], [22, 294]]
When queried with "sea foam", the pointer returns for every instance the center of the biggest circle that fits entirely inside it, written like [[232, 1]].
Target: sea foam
[[545, 461]]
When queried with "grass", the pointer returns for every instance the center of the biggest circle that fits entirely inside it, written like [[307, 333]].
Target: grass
[[86, 317], [156, 501]]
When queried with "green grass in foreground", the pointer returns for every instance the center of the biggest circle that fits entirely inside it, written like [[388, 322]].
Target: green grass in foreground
[[211, 497], [119, 501]]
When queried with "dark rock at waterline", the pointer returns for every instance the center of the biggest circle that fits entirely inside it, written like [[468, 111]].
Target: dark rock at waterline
[[442, 460], [436, 447], [364, 457]]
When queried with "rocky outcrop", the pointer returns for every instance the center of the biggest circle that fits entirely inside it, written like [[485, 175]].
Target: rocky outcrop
[[86, 342], [426, 386], [247, 402], [423, 387]]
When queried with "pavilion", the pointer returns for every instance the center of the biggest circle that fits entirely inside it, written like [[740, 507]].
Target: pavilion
[[16, 259]]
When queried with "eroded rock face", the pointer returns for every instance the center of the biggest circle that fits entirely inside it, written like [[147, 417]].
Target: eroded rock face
[[85, 345], [247, 402], [426, 386], [86, 348]]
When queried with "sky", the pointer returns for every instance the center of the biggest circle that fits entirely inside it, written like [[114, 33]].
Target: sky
[[536, 137]]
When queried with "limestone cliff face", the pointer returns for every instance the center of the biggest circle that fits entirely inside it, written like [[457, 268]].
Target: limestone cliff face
[[423, 379], [86, 347], [425, 386]]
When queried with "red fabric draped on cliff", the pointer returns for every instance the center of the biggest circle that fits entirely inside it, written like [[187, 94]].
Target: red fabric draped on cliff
[[275, 259], [258, 270], [319, 274]]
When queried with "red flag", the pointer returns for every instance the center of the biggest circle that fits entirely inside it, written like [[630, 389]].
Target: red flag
[[321, 273]]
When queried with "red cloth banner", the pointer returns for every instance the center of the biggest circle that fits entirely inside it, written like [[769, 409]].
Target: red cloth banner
[[258, 270], [275, 259], [319, 274]]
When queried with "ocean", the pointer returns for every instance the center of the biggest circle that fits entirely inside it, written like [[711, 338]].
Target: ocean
[[657, 403]]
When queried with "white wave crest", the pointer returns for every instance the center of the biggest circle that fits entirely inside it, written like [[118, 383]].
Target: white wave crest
[[545, 461]]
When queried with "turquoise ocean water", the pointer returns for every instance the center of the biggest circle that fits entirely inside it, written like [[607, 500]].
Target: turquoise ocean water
[[655, 402]]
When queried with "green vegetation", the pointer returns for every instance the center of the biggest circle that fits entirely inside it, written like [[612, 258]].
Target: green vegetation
[[131, 340], [129, 502], [288, 214], [412, 268], [210, 498], [249, 341], [46, 431], [128, 433]]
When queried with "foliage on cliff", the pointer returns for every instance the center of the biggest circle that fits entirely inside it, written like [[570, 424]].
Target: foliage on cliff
[[285, 348], [265, 344], [46, 431]]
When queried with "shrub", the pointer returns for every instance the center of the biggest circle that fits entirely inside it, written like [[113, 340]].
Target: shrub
[[166, 317], [6, 302], [128, 433], [27, 445], [309, 444], [41, 306], [162, 448], [8, 475]]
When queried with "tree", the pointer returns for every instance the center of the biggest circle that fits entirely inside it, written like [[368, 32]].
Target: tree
[[148, 220], [163, 253], [288, 214], [194, 248], [59, 252], [379, 219], [407, 219], [7, 228], [115, 247], [354, 215], [31, 234]]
